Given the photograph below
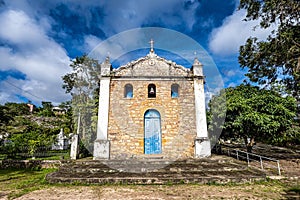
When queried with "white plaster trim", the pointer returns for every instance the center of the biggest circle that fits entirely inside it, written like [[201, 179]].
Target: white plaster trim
[[148, 57], [183, 78], [201, 124], [202, 148], [103, 109]]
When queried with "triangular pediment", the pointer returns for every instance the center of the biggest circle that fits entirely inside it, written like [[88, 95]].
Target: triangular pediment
[[151, 65]]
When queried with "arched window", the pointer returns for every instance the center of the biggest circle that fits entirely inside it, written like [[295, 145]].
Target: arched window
[[128, 91], [174, 90], [151, 91]]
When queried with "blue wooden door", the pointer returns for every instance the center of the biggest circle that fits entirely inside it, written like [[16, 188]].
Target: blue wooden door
[[152, 131]]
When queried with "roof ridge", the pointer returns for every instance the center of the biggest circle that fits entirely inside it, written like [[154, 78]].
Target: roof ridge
[[149, 57]]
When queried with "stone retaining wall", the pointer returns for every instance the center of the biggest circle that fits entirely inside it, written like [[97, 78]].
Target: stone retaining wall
[[29, 164]]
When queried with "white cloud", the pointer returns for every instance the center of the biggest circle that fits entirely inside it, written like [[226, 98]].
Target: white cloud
[[4, 96], [90, 42], [118, 15], [19, 29], [231, 73], [124, 15], [30, 51], [233, 33], [232, 84]]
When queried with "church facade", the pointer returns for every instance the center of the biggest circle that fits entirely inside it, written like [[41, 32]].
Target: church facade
[[151, 107]]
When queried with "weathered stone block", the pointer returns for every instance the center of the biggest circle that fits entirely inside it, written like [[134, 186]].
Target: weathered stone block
[[202, 147], [74, 147], [101, 149]]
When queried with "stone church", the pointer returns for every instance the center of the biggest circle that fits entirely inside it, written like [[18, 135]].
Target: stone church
[[151, 107]]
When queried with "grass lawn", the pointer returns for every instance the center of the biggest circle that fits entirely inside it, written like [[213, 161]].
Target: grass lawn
[[14, 183]]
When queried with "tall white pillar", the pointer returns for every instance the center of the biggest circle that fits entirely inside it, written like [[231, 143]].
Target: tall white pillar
[[102, 144], [103, 109], [201, 124], [202, 142]]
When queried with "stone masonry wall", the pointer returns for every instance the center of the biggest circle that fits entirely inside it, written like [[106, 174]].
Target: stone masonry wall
[[126, 117]]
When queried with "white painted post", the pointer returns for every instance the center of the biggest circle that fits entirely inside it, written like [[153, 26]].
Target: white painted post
[[278, 166], [75, 141], [202, 143], [102, 144], [261, 163], [248, 159], [74, 147], [103, 109], [201, 124]]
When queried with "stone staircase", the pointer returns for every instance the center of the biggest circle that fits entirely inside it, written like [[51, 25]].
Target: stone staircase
[[216, 169]]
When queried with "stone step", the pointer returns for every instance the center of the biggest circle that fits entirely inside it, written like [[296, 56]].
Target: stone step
[[152, 161], [112, 171], [155, 179], [155, 172], [135, 166], [197, 162], [93, 169], [162, 174]]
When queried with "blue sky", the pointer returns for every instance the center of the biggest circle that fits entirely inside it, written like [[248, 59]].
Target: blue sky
[[39, 38]]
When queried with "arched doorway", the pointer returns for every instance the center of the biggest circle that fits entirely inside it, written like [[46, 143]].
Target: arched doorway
[[152, 132]]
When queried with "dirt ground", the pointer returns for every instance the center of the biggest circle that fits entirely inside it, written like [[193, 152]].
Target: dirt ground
[[251, 191], [262, 190], [290, 165]]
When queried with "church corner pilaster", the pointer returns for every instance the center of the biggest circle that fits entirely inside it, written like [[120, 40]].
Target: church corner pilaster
[[202, 142], [101, 150], [102, 144], [197, 68], [202, 147], [106, 68]]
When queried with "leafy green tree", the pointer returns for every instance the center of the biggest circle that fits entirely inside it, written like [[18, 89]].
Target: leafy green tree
[[26, 132], [254, 114], [5, 118], [216, 115], [84, 75], [7, 114], [26, 135], [83, 84], [17, 109], [67, 124], [291, 137], [275, 61], [46, 110]]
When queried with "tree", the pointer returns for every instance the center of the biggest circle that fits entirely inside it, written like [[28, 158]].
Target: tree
[[276, 60], [46, 111], [84, 75], [83, 84], [26, 132], [255, 114], [7, 114], [5, 118], [16, 109], [27, 136], [67, 124]]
